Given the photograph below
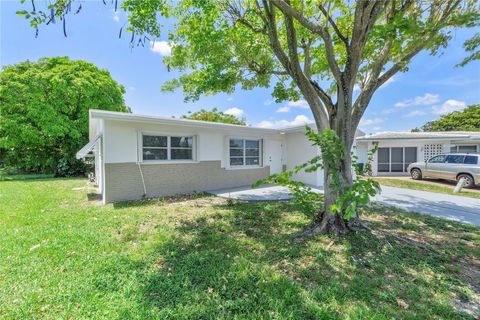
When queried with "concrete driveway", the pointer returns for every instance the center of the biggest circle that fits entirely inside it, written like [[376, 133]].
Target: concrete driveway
[[446, 206]]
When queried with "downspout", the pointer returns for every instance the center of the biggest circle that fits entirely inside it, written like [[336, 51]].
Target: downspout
[[141, 172]]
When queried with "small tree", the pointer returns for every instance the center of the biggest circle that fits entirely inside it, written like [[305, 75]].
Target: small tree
[[44, 112], [318, 50], [214, 115], [466, 120]]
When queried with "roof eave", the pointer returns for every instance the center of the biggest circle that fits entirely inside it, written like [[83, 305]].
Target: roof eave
[[117, 116]]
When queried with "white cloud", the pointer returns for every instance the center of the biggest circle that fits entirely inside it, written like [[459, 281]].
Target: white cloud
[[426, 100], [449, 106], [377, 128], [298, 121], [161, 47], [230, 99], [389, 110], [371, 122], [298, 104], [234, 112], [283, 109], [268, 102], [415, 113]]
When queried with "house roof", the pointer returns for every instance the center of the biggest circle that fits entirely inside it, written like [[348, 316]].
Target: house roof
[[421, 135], [123, 116], [131, 117]]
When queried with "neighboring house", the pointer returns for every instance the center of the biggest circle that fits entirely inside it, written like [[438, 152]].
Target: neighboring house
[[396, 150], [146, 156]]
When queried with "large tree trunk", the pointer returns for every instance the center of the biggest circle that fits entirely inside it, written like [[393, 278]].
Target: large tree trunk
[[328, 221]]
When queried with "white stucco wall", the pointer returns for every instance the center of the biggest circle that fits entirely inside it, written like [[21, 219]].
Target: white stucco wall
[[122, 140], [299, 150]]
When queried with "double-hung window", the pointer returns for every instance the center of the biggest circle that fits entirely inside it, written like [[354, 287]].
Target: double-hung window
[[245, 152], [161, 148]]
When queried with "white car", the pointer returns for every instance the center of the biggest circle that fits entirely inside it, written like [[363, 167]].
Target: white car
[[453, 166]]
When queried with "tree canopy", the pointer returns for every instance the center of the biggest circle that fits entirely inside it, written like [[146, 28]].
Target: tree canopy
[[44, 110], [466, 120], [214, 115], [318, 50]]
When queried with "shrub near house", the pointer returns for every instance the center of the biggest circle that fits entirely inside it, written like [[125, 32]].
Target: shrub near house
[[44, 112]]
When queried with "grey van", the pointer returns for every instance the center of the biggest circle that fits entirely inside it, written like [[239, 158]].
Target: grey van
[[453, 166]]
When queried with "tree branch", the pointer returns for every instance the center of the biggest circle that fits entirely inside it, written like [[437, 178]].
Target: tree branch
[[273, 36], [319, 112], [334, 25], [315, 28], [326, 99], [292, 12]]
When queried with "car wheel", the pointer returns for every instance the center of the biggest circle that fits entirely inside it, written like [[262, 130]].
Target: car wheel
[[416, 174], [468, 180]]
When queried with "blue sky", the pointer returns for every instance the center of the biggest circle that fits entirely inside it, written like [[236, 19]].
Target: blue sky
[[431, 87]]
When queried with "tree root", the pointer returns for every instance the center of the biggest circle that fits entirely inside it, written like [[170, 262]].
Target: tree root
[[356, 224], [330, 225], [408, 240], [334, 226]]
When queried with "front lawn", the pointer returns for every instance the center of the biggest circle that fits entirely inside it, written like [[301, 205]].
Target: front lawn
[[64, 257], [427, 185]]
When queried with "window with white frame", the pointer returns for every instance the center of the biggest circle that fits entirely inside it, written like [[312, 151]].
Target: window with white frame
[[463, 149], [244, 152], [161, 147]]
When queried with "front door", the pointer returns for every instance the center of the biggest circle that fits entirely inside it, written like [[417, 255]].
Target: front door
[[274, 156]]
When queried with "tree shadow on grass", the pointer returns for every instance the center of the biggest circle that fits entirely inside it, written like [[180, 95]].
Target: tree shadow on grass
[[239, 261], [160, 201]]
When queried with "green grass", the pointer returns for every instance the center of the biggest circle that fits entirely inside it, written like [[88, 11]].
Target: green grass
[[63, 257], [419, 185], [9, 175]]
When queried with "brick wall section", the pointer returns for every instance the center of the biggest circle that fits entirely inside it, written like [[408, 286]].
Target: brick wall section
[[123, 180]]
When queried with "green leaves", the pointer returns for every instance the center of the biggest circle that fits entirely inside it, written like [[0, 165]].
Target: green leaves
[[44, 112], [348, 197], [21, 13], [214, 115], [466, 120]]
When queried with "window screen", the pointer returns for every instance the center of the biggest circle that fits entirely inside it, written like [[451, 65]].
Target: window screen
[[397, 159], [167, 148], [245, 152], [155, 148], [410, 156], [383, 160], [181, 148], [467, 149]]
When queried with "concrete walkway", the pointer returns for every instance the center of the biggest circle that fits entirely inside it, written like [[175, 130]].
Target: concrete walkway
[[446, 206], [264, 193]]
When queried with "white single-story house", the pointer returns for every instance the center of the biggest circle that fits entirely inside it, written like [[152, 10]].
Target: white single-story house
[[146, 156], [396, 150], [140, 156]]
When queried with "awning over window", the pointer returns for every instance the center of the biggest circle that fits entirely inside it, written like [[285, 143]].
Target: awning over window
[[82, 153]]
